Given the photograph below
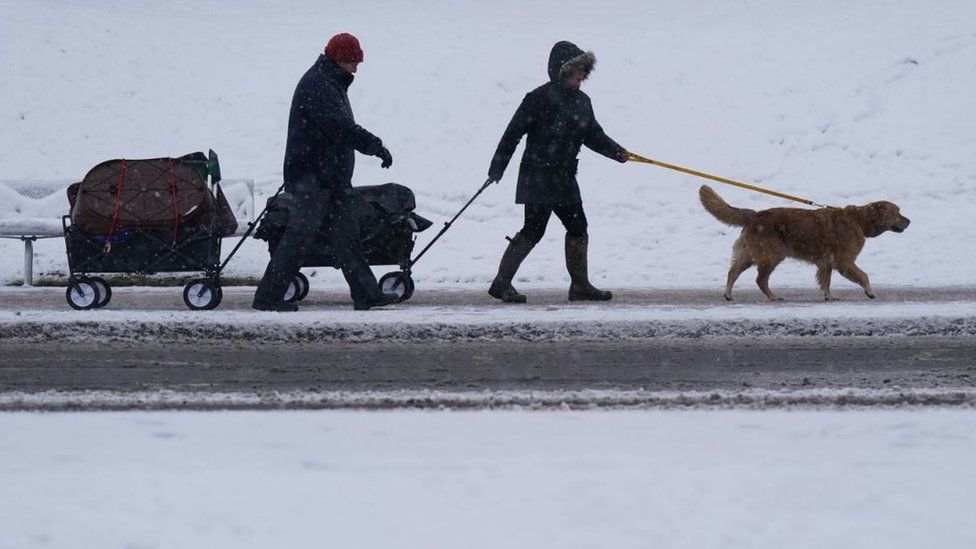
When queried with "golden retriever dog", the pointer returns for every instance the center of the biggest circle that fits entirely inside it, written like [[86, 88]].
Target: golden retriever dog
[[830, 238]]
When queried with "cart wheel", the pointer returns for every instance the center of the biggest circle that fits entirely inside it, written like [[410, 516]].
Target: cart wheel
[[82, 295], [410, 288], [104, 290], [292, 291], [399, 283], [303, 286], [202, 294], [297, 289], [220, 295]]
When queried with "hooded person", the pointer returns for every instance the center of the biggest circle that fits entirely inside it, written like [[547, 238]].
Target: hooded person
[[557, 118], [323, 138]]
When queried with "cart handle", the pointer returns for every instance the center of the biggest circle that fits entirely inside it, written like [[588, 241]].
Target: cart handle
[[447, 225], [250, 228]]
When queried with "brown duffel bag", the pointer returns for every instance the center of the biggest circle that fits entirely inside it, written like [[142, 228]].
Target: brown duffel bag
[[157, 193]]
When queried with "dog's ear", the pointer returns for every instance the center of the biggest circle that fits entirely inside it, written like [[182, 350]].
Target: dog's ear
[[878, 210], [871, 218], [879, 217], [893, 218], [886, 212]]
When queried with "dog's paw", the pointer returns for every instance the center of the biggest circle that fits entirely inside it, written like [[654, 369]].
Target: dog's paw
[[728, 297], [776, 298], [831, 298], [869, 295]]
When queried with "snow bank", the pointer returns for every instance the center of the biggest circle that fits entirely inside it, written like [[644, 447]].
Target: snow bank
[[413, 323], [840, 102], [759, 399]]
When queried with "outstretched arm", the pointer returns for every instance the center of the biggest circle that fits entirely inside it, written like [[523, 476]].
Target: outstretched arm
[[527, 113], [598, 141], [347, 131], [330, 117]]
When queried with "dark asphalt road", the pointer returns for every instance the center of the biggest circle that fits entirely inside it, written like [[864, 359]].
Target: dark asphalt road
[[730, 364], [726, 363]]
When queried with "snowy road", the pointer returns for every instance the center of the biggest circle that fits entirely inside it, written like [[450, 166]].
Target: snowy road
[[724, 371], [457, 349]]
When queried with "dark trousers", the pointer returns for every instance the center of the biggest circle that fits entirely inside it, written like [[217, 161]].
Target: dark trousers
[[304, 221], [537, 218]]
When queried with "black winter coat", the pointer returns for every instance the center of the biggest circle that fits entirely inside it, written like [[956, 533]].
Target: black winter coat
[[558, 121], [322, 133]]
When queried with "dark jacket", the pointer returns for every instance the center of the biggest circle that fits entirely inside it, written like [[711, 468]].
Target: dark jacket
[[322, 133], [558, 121]]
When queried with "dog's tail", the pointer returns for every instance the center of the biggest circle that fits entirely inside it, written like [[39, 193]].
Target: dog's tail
[[729, 215]]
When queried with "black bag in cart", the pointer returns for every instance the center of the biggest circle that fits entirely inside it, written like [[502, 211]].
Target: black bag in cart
[[387, 225]]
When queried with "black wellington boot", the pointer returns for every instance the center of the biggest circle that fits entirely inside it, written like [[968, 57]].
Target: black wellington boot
[[580, 288], [382, 300], [501, 288]]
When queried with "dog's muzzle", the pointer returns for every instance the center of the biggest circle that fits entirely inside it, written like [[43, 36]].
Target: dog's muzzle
[[901, 225]]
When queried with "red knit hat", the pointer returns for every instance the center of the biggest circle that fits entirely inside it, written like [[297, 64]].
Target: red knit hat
[[344, 48]]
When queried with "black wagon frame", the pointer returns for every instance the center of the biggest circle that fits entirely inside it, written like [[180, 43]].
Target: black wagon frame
[[146, 252]]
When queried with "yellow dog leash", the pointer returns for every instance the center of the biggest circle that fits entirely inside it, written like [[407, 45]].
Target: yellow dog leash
[[639, 158]]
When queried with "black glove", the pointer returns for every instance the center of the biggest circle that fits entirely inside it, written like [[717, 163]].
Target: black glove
[[494, 176], [387, 158]]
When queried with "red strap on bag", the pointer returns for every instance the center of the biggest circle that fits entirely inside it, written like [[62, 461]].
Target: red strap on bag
[[176, 207], [115, 215]]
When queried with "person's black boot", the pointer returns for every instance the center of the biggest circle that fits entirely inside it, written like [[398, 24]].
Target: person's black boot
[[501, 288], [580, 288], [381, 301], [279, 307]]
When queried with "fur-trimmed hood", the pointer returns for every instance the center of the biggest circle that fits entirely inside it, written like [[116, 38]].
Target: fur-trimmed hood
[[566, 57]]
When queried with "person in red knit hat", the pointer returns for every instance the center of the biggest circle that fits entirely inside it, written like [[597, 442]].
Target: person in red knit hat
[[345, 50], [323, 138]]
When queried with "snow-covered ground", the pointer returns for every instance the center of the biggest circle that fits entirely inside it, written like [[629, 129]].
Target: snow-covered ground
[[840, 102], [502, 479], [449, 322]]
